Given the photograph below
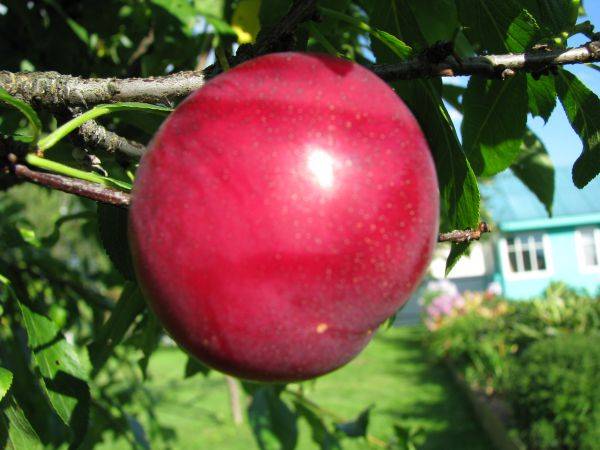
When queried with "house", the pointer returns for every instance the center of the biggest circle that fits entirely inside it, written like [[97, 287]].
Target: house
[[528, 249]]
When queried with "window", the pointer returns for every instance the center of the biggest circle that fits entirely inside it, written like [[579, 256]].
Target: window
[[588, 248], [527, 253]]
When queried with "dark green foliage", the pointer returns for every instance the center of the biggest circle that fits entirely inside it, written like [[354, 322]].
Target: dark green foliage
[[320, 432], [534, 168], [556, 394], [273, 422], [357, 427], [583, 110], [112, 229], [193, 366], [541, 94], [494, 122]]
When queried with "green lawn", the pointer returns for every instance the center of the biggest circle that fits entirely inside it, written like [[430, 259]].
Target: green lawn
[[393, 374]]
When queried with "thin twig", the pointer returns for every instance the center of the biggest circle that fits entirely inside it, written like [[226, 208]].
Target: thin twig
[[492, 66], [81, 188], [95, 135], [459, 236]]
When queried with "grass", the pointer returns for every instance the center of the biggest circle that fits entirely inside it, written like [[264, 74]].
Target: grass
[[393, 374]]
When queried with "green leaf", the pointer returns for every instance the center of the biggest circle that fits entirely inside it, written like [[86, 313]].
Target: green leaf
[[325, 439], [54, 236], [322, 40], [594, 67], [220, 26], [193, 366], [5, 381], [51, 351], [453, 94], [409, 437], [535, 169], [357, 427], [77, 29], [399, 48], [63, 370], [553, 16], [456, 251], [112, 230], [583, 111], [271, 11], [522, 33], [147, 339], [273, 423], [542, 96], [437, 20], [182, 10], [34, 121], [16, 433], [396, 18], [97, 111], [130, 304], [459, 191], [495, 116], [497, 26]]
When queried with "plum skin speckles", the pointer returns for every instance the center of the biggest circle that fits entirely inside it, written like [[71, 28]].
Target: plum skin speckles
[[281, 214]]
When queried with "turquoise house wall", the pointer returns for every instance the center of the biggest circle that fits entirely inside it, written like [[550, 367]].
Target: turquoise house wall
[[562, 261]]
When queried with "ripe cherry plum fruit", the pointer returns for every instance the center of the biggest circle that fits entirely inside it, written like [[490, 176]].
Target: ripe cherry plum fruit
[[281, 214]]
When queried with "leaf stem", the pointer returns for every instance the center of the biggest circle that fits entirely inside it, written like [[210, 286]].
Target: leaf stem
[[50, 140], [62, 169]]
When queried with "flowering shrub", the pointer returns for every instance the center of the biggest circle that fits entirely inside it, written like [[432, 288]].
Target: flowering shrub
[[443, 303], [491, 341]]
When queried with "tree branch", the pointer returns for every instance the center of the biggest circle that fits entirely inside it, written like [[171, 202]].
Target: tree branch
[[81, 188], [459, 236], [55, 91], [492, 66]]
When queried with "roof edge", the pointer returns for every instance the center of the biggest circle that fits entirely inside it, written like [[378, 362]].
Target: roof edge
[[550, 222]]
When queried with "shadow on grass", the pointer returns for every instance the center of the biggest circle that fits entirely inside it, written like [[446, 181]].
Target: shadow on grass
[[439, 405]]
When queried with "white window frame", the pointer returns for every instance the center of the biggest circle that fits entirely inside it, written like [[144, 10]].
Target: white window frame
[[584, 268], [532, 274]]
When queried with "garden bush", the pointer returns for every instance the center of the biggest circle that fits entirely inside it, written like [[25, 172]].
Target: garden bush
[[556, 394], [542, 355]]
